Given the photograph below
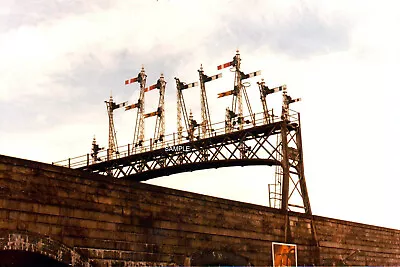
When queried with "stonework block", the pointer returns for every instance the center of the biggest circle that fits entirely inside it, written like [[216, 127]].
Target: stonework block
[[124, 223]]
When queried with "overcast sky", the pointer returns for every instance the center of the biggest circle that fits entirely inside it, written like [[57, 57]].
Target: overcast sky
[[59, 61]]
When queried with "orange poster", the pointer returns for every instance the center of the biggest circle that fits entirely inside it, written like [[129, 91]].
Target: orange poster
[[284, 254]]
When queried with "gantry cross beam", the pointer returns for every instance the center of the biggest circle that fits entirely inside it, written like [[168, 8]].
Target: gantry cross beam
[[273, 144]]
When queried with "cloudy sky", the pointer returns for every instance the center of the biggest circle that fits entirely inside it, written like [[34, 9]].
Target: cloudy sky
[[61, 59]]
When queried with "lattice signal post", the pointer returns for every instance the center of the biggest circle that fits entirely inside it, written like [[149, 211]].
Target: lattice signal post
[[112, 136], [138, 136], [238, 92], [182, 111], [206, 129], [159, 132], [254, 139]]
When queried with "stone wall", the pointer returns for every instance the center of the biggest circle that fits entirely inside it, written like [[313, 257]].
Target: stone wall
[[83, 219]]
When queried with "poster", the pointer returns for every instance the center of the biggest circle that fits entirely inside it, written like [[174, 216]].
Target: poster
[[284, 254]]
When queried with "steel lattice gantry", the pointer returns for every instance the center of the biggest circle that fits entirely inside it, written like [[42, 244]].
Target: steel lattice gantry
[[273, 144]]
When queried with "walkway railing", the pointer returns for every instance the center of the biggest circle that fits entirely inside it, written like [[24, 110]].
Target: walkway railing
[[169, 141]]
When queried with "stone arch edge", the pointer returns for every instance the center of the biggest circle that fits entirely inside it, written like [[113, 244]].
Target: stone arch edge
[[33, 242]]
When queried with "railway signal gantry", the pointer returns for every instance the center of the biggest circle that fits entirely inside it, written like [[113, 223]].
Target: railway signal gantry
[[262, 138]]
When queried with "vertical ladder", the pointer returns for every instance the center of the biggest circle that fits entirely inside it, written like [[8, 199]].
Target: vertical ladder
[[275, 189]]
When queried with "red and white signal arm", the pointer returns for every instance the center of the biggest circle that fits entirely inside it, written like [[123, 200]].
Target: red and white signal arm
[[284, 254]]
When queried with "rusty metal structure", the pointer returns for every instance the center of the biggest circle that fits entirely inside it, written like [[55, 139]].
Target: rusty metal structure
[[112, 150], [206, 129], [264, 91], [95, 151], [182, 111], [138, 136], [239, 92], [240, 140], [159, 131]]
